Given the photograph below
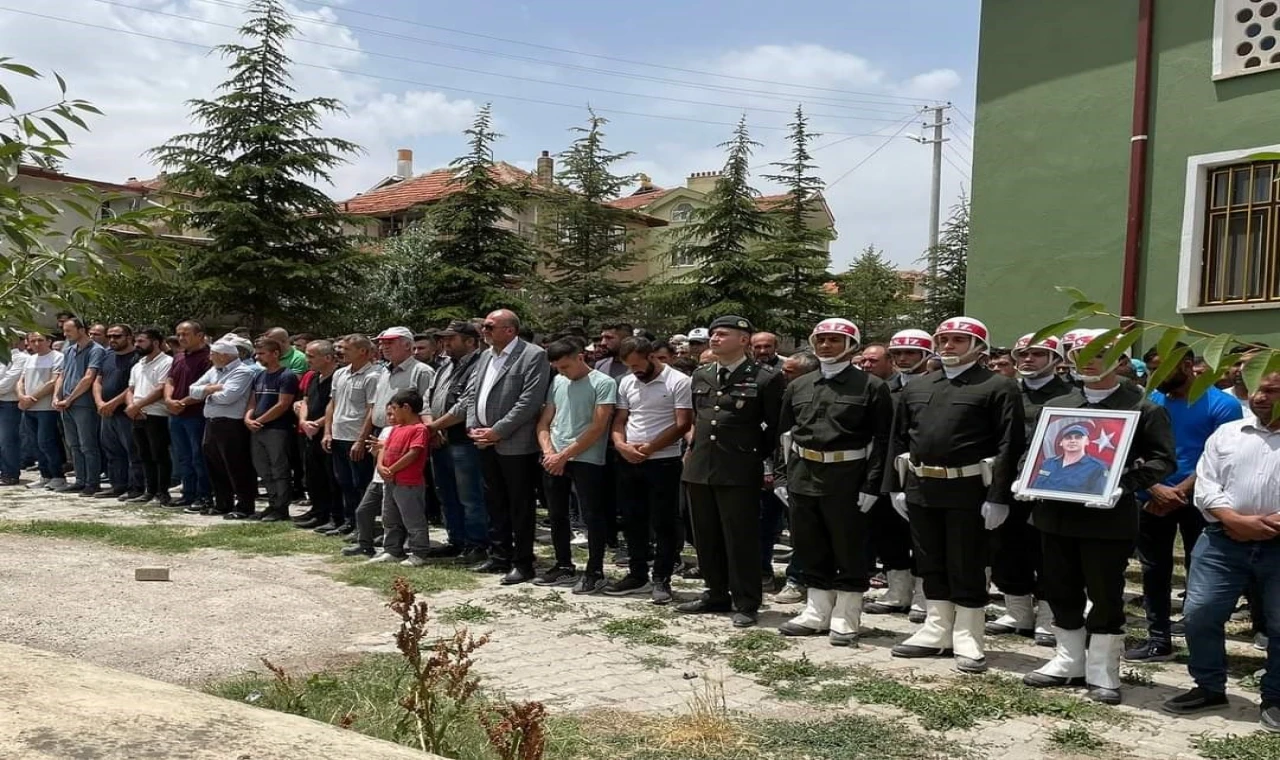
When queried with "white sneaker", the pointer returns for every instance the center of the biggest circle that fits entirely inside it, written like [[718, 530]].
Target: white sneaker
[[41, 483], [56, 483], [413, 560], [381, 558]]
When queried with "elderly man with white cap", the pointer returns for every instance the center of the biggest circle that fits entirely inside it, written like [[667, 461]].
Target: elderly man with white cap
[[403, 372], [224, 389]]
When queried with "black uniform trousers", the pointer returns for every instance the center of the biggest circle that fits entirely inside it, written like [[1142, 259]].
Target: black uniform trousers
[[510, 490], [726, 535], [1076, 567], [829, 536], [889, 537], [227, 451], [1015, 553], [950, 553], [322, 484], [1156, 535]]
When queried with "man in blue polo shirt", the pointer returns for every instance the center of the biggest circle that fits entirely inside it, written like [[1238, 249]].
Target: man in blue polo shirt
[[1168, 509], [73, 396]]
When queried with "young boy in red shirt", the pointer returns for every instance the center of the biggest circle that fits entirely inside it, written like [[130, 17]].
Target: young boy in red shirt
[[404, 498]]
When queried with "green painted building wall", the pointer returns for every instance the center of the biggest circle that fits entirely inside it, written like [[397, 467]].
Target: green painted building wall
[[1051, 156]]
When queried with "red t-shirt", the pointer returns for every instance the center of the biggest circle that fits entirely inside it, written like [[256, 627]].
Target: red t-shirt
[[402, 439]]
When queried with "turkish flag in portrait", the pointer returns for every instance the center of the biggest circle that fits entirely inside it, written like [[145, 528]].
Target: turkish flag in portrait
[[1103, 435]]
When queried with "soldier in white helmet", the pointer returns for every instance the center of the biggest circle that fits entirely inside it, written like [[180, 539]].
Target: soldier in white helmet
[[957, 437], [836, 426]]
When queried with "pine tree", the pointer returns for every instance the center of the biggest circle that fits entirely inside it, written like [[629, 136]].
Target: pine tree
[[477, 261], [945, 286], [873, 296], [585, 244], [723, 240], [798, 248], [277, 250]]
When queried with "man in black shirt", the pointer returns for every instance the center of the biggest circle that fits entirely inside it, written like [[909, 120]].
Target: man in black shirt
[[322, 484], [124, 467]]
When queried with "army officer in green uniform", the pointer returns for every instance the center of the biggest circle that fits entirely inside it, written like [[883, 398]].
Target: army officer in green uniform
[[735, 405]]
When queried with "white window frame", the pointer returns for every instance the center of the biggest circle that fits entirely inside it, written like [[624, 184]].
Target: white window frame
[[1191, 250], [677, 208]]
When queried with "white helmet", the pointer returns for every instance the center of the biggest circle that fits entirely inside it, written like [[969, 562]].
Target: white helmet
[[912, 340], [837, 326], [1048, 343], [963, 326], [1082, 338]]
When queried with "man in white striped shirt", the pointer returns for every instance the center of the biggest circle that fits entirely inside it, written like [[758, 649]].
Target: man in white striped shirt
[[1238, 489]]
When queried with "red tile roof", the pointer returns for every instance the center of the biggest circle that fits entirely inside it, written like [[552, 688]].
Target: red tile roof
[[639, 199], [421, 189]]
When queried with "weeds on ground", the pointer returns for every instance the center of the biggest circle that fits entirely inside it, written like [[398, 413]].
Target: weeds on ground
[[653, 662], [1255, 746], [466, 612], [639, 630], [546, 607], [1076, 738], [517, 731], [1141, 674]]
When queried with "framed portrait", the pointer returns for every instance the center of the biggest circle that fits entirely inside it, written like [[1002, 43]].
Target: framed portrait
[[1077, 455]]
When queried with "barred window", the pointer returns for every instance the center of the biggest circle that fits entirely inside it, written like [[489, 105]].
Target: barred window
[[1239, 261]]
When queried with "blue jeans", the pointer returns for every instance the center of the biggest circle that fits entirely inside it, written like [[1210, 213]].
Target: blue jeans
[[44, 429], [353, 478], [82, 425], [1221, 570], [10, 439], [186, 434], [124, 468], [456, 472]]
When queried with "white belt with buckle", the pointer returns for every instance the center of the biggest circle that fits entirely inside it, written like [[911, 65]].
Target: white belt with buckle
[[945, 473], [831, 457]]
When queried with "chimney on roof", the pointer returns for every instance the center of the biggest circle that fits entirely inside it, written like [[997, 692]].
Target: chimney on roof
[[546, 169], [132, 179], [404, 163], [702, 182]]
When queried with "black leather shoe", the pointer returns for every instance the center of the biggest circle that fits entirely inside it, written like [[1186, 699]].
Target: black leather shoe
[[493, 566], [236, 516], [743, 619], [1269, 717], [144, 498], [517, 575], [1044, 681], [703, 606], [268, 517], [310, 523], [255, 516], [473, 557], [1194, 701], [307, 516], [444, 550], [356, 551], [345, 530]]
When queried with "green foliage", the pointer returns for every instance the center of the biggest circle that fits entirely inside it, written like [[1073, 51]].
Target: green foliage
[[945, 283], [723, 240], [797, 247], [874, 296], [1075, 737], [586, 244], [151, 297], [278, 246], [477, 257], [41, 267], [1255, 746], [640, 630]]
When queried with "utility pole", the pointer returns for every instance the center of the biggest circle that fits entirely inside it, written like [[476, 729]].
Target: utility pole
[[935, 196]]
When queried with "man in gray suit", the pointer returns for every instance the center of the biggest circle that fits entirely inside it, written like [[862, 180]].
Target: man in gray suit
[[502, 404]]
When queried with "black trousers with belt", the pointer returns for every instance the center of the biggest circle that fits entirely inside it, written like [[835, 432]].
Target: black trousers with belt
[[1015, 553], [228, 452], [510, 487], [726, 534], [829, 534], [1076, 569], [322, 483], [950, 553]]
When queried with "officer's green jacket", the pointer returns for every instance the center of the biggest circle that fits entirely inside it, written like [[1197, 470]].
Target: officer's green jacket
[[735, 426]]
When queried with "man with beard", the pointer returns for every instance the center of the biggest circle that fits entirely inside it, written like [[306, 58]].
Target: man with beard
[[1015, 559], [839, 419], [957, 438], [611, 337], [764, 347], [1086, 548], [1169, 509]]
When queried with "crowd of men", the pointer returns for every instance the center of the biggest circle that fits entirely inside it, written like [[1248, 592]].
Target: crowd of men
[[894, 465]]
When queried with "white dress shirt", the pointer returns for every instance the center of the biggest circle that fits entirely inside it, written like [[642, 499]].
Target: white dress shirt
[[496, 364], [1240, 469], [9, 374]]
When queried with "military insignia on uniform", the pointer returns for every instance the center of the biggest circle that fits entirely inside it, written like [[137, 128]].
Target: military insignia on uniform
[[742, 324]]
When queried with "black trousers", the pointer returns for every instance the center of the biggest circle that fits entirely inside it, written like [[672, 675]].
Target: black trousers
[[726, 534], [297, 453], [829, 533], [1156, 535], [228, 452], [510, 483], [1015, 553], [649, 500], [889, 537], [151, 435], [1080, 568], [322, 484], [951, 553], [587, 480]]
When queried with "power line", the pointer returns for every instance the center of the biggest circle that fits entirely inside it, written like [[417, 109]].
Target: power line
[[962, 172], [816, 99], [872, 154], [416, 83], [957, 154], [957, 136], [504, 76], [972, 126], [834, 143]]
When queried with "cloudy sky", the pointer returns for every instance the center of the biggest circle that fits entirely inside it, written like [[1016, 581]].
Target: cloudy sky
[[671, 76]]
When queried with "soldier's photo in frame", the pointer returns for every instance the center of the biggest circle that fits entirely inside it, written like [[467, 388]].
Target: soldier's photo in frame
[[1077, 455]]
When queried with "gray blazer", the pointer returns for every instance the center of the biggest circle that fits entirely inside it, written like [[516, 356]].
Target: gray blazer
[[516, 400]]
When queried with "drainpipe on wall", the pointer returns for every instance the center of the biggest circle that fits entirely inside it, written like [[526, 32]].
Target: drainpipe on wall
[[1138, 148]]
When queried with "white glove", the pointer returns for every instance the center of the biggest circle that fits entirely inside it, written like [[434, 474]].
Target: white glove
[[1017, 493], [994, 514], [866, 501], [1110, 501], [781, 493], [899, 502]]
